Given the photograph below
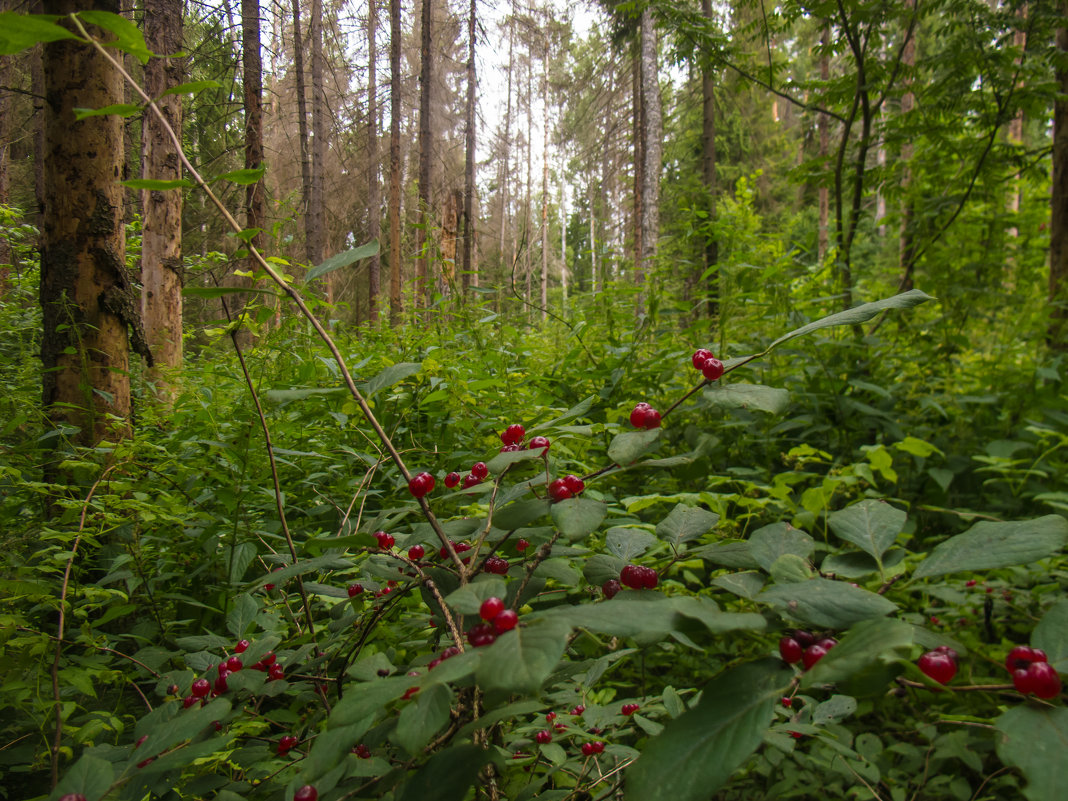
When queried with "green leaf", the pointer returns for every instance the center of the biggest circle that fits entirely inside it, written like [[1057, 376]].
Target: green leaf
[[154, 185], [854, 564], [515, 710], [601, 567], [685, 523], [367, 698], [245, 177], [162, 736], [90, 776], [20, 32], [727, 554], [697, 751], [858, 314], [390, 376], [578, 410], [118, 109], [1035, 741], [716, 621], [628, 446], [521, 659], [192, 87], [868, 643], [627, 543], [825, 603], [629, 614], [242, 614], [447, 776], [772, 400], [467, 599], [790, 569], [988, 545], [290, 395], [770, 542], [211, 292], [835, 709], [1051, 635], [497, 464], [577, 517], [520, 513], [305, 566], [422, 718], [128, 37], [745, 585], [328, 751], [870, 525], [342, 259]]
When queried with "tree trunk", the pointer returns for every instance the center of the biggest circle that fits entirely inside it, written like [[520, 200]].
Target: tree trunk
[[1016, 125], [395, 307], [5, 144], [317, 231], [87, 299], [469, 160], [426, 78], [907, 246], [824, 125], [545, 186], [506, 164], [652, 134], [528, 219], [450, 215], [374, 212], [302, 130], [252, 67], [1058, 240], [639, 159], [708, 173], [161, 243]]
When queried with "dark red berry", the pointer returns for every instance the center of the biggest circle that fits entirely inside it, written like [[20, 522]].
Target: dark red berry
[[242, 646], [72, 797], [421, 484], [712, 369], [574, 483], [558, 490], [201, 687], [505, 621], [610, 588], [490, 608], [827, 643], [276, 672], [482, 634], [790, 650], [479, 470], [804, 637], [630, 709], [509, 448], [268, 658], [588, 750], [416, 552], [550, 717], [234, 664], [513, 435], [286, 743], [471, 480], [539, 443], [355, 589], [497, 565], [812, 655], [577, 710], [410, 692], [362, 751], [1038, 678], [938, 666], [306, 793], [637, 416], [651, 419], [700, 356], [521, 545], [1023, 655], [543, 737], [452, 479], [632, 576], [787, 702], [188, 701], [385, 541], [220, 685], [649, 578]]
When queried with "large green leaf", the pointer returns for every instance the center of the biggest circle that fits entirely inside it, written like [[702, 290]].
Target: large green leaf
[[868, 643], [302, 567], [697, 752], [128, 36], [20, 32], [389, 377], [329, 750], [627, 542], [90, 776], [870, 525], [520, 513], [1035, 741], [578, 410], [508, 458], [858, 314], [988, 545], [1051, 635], [577, 517], [715, 620], [521, 659], [685, 523], [366, 698], [242, 613], [447, 776], [628, 446], [422, 718], [825, 603], [629, 614], [772, 400], [770, 542], [187, 724], [343, 260]]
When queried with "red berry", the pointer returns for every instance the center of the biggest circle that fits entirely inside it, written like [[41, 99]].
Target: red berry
[[462, 546], [479, 470], [1023, 655], [796, 735], [637, 417], [140, 740], [242, 646], [610, 588], [482, 634], [827, 643], [490, 608], [385, 541], [471, 480], [234, 664], [970, 583], [550, 717], [652, 419], [588, 749], [416, 552], [805, 638], [505, 621], [574, 483], [577, 710], [1043, 679], [306, 793], [787, 702], [630, 709], [355, 589], [812, 655], [220, 685], [521, 545], [411, 691], [558, 490], [543, 737], [72, 797], [268, 658], [938, 666], [188, 701], [452, 479], [509, 448], [513, 435], [201, 687], [537, 443], [276, 672], [497, 565], [700, 356], [649, 578], [285, 743], [362, 751], [712, 369], [790, 650], [449, 652], [945, 649], [420, 484]]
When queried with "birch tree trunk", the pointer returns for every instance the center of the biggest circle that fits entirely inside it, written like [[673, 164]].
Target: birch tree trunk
[[426, 78], [374, 212], [395, 306], [652, 133], [469, 162]]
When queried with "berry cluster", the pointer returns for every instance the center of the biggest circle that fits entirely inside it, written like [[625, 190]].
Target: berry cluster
[[591, 748], [711, 367], [498, 619], [203, 687], [939, 664], [421, 484], [569, 486], [645, 416], [802, 646], [630, 709], [479, 471], [1031, 672], [448, 653], [386, 541], [638, 577]]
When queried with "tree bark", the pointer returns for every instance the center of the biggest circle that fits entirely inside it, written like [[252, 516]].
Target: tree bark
[[1057, 335], [252, 67], [374, 212], [545, 185], [5, 145], [87, 299], [907, 245], [824, 126], [395, 307], [652, 134], [506, 163], [426, 78], [639, 159], [317, 232], [161, 243], [708, 172], [302, 130], [469, 160]]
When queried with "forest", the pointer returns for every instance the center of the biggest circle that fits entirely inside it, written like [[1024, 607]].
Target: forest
[[510, 399]]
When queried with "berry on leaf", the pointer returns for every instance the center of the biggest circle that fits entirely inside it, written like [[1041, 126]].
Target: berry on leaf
[[812, 655], [385, 541], [574, 483], [416, 552], [610, 588], [558, 490], [506, 620], [1022, 656], [539, 443], [630, 709], [242, 646], [1038, 678], [543, 737], [497, 565], [645, 416]]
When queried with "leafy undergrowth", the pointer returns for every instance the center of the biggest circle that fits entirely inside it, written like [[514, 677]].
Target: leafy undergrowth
[[833, 489]]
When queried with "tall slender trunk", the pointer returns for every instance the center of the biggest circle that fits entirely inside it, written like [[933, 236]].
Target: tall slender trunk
[[374, 212], [708, 172], [88, 301], [1057, 335], [1016, 125], [161, 243], [652, 133], [639, 158], [545, 186], [317, 232], [302, 130], [593, 236], [506, 176], [5, 144], [528, 200], [426, 79], [907, 246], [252, 68], [395, 307], [469, 162]]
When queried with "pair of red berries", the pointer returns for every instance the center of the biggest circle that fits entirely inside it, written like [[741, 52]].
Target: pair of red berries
[[497, 565], [479, 471], [385, 541], [421, 484], [939, 664], [448, 653], [638, 577], [595, 747], [494, 611], [569, 486], [630, 709], [1031, 672], [645, 416], [803, 647], [711, 367]]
